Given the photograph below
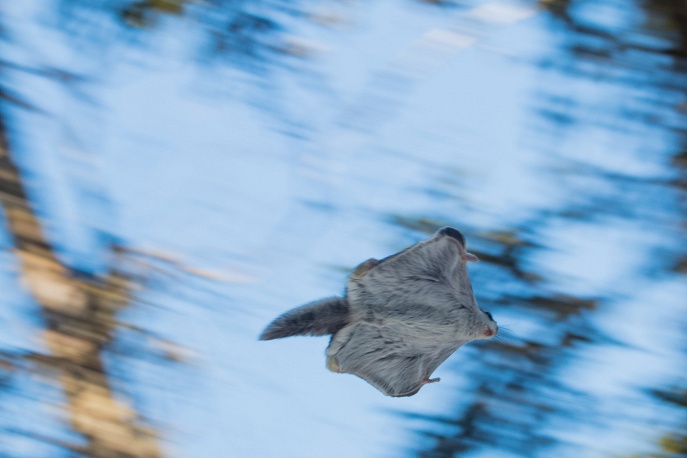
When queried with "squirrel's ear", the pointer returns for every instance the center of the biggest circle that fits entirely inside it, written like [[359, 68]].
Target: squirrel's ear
[[469, 257], [364, 268]]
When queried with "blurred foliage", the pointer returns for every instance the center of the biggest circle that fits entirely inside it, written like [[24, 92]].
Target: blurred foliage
[[145, 13], [673, 444], [509, 410], [251, 35], [7, 367], [517, 386]]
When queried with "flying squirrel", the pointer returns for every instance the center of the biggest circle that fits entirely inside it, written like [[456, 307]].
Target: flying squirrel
[[400, 317]]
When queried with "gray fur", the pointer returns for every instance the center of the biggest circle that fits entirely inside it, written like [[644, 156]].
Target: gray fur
[[318, 318], [401, 316]]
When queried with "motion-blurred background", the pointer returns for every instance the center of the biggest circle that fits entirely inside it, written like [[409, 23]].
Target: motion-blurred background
[[176, 173]]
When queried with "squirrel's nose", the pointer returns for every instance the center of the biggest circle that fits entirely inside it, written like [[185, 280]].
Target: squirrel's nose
[[453, 233]]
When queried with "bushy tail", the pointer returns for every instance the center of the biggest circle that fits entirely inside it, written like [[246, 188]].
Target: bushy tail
[[318, 318]]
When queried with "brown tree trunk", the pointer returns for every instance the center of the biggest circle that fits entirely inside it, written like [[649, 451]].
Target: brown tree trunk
[[80, 320]]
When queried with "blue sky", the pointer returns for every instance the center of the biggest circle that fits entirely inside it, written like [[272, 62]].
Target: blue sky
[[399, 102]]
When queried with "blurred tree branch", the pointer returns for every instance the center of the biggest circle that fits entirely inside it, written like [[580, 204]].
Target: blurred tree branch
[[79, 313]]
